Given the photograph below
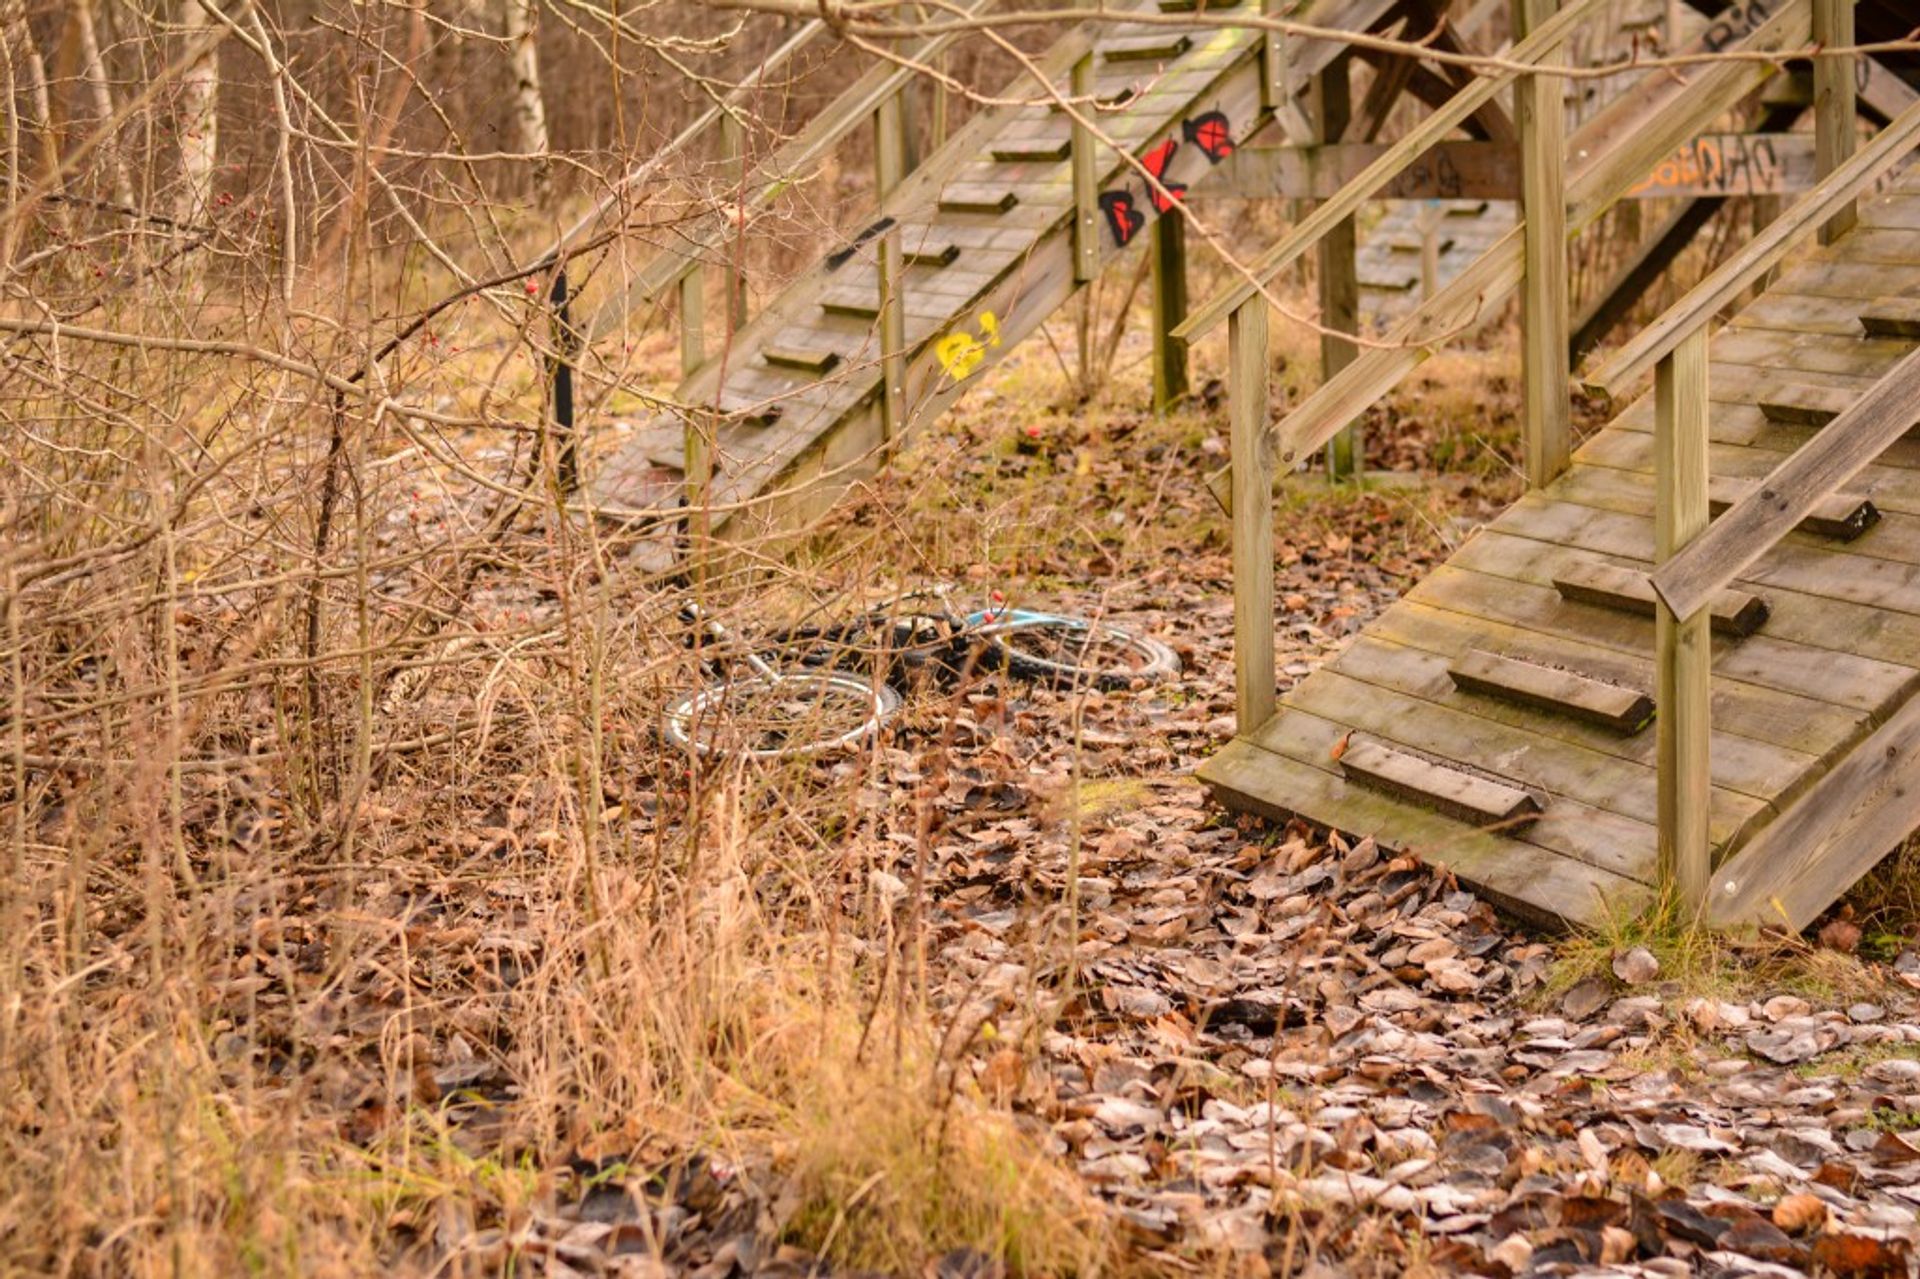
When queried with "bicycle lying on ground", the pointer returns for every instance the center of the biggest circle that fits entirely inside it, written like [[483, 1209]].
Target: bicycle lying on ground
[[814, 689]]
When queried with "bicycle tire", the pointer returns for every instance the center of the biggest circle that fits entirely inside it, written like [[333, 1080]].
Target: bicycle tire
[[1077, 653], [707, 721]]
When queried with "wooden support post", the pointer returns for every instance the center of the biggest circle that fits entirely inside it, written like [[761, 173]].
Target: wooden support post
[[1250, 447], [1332, 101], [1547, 372], [733, 151], [890, 169], [1428, 222], [1169, 308], [1086, 199], [942, 104], [696, 472], [1834, 129], [1273, 61], [1086, 228], [693, 320], [1682, 645]]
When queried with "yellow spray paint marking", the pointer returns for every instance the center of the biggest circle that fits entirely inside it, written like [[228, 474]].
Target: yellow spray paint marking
[[960, 352]]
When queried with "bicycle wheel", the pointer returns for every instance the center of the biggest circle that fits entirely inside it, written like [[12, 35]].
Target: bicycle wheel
[[1067, 650], [802, 713]]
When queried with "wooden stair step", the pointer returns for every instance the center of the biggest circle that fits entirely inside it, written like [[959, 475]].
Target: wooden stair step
[[1628, 590], [1624, 710], [807, 359], [853, 303], [932, 253], [1455, 792], [1191, 6], [1443, 245], [1843, 516], [1112, 102], [1797, 405], [752, 410], [1892, 318], [1154, 48], [1038, 150], [977, 197], [1467, 209]]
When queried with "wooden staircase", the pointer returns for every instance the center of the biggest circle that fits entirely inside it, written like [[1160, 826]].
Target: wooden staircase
[[1498, 719], [986, 230]]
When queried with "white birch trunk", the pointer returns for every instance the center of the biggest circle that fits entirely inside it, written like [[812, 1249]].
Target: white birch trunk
[[94, 68], [198, 121], [529, 110]]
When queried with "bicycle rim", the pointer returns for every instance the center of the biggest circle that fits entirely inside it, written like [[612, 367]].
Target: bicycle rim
[[804, 713]]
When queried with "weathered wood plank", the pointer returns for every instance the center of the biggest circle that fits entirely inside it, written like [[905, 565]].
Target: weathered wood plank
[[1797, 404], [1451, 791], [1567, 827], [1624, 710], [1892, 318], [1536, 883], [1843, 449], [977, 197], [1835, 123], [1546, 429], [1834, 834], [1745, 765], [806, 359], [1038, 151], [1682, 652], [1153, 48], [1498, 584], [1610, 586], [1250, 448], [1529, 758], [1840, 516], [1808, 728]]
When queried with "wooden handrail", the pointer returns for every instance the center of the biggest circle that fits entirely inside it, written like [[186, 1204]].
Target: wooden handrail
[[1498, 271], [1750, 527], [1375, 177], [1739, 272]]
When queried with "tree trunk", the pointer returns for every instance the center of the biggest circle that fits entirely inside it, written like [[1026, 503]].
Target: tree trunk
[[529, 111], [94, 68], [199, 121]]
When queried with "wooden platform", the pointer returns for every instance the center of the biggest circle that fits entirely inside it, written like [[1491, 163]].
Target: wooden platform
[[1809, 707]]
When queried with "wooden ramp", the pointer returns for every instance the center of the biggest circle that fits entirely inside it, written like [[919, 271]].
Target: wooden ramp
[[986, 230], [1497, 718]]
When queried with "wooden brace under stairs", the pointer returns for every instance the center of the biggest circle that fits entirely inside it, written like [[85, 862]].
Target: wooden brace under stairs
[[1497, 718]]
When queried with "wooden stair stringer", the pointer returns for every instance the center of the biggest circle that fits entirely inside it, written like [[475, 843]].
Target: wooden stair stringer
[[800, 464]]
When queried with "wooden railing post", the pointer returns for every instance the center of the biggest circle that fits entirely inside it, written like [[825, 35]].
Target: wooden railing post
[[693, 320], [733, 153], [890, 168], [696, 475], [1332, 100], [1251, 453], [1169, 308], [1682, 645], [1547, 371], [1086, 247], [1834, 92]]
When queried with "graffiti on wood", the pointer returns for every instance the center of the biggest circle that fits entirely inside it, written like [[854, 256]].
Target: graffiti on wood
[[961, 352]]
